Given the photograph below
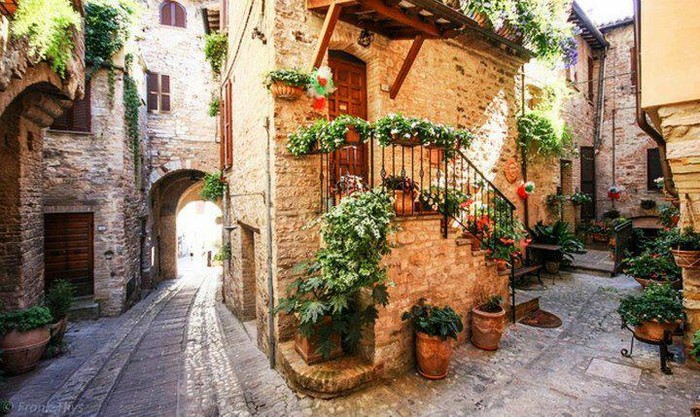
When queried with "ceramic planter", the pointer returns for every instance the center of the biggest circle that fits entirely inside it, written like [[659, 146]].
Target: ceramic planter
[[307, 347], [487, 328], [285, 91], [433, 354], [654, 331], [403, 201], [687, 259], [21, 351]]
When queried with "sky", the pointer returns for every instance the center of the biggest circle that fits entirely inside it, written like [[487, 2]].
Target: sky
[[604, 11]]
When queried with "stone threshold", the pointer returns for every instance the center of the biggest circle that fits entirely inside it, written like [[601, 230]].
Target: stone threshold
[[327, 379]]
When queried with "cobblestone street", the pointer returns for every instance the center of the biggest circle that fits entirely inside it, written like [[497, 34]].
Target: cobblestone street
[[181, 352]]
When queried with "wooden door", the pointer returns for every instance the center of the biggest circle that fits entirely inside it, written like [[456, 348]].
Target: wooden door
[[68, 250], [350, 78], [588, 181]]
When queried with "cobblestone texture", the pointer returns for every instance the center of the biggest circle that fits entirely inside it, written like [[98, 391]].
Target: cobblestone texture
[[181, 352]]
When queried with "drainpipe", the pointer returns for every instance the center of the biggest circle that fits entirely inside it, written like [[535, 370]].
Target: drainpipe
[[523, 151], [669, 185], [599, 111], [270, 286]]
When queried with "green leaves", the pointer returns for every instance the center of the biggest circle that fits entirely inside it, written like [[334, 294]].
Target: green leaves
[[25, 320], [695, 351], [557, 234], [538, 133], [290, 76], [214, 186], [215, 50], [59, 298], [326, 135], [658, 302], [108, 26], [434, 321], [214, 107]]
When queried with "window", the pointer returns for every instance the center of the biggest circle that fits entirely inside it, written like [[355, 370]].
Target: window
[[173, 14], [158, 92], [77, 118], [590, 78], [653, 168], [633, 66], [226, 127]]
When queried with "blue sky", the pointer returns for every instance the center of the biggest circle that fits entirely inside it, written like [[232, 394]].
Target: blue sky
[[603, 11]]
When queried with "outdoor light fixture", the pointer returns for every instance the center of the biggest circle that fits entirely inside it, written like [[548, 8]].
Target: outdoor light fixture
[[365, 39]]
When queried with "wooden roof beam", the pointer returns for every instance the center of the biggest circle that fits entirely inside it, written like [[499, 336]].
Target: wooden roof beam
[[406, 66], [327, 30], [401, 17]]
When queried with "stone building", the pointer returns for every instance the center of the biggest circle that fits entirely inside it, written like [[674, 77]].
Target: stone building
[[467, 81], [32, 95]]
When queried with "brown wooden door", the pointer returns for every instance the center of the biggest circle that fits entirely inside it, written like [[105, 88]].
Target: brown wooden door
[[588, 181], [68, 250], [350, 78]]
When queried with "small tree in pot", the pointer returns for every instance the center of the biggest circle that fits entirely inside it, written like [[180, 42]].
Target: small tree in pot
[[59, 299], [24, 335], [434, 327], [658, 309], [488, 323]]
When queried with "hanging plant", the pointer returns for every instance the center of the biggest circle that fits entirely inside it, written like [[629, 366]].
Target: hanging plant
[[287, 83], [48, 27], [579, 198], [132, 102], [215, 50], [214, 107], [214, 186], [326, 136]]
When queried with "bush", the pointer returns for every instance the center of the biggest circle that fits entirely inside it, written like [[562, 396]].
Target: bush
[[215, 49], [214, 107], [59, 299], [493, 304], [653, 266], [328, 136], [214, 186], [223, 254], [25, 320], [538, 133], [434, 321], [658, 302]]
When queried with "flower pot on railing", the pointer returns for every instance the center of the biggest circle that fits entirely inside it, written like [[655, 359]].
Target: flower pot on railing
[[307, 347], [285, 91], [653, 330], [408, 141]]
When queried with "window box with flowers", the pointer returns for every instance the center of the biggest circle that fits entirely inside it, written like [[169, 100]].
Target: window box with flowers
[[325, 136]]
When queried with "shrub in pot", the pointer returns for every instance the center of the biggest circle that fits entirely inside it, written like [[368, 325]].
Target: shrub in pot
[[287, 83], [669, 216], [24, 335], [59, 299], [435, 327], [686, 249], [404, 189], [488, 323], [599, 231], [325, 296], [560, 235], [658, 309], [653, 267]]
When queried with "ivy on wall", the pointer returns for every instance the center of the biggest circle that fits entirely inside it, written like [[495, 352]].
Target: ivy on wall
[[132, 102], [543, 131], [215, 49], [48, 27], [214, 186], [214, 107]]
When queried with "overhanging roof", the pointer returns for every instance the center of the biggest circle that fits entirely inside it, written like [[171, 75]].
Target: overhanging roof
[[589, 31]]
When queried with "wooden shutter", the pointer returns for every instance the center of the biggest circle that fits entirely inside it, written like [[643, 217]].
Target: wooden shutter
[[152, 87], [179, 15], [222, 124], [653, 168], [633, 66], [164, 93], [590, 78], [166, 13], [77, 118]]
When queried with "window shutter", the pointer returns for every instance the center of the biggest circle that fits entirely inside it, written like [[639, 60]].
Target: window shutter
[[223, 19], [178, 15], [633, 66], [653, 168], [62, 122], [590, 78], [165, 93], [222, 141], [152, 86], [81, 112], [229, 127], [166, 13]]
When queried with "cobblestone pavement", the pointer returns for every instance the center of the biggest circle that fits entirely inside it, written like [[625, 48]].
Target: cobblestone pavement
[[181, 352]]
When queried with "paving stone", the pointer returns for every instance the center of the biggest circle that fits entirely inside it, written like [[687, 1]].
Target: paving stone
[[614, 371]]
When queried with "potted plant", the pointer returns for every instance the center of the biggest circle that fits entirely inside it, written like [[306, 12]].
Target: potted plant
[[669, 216], [657, 310], [324, 297], [599, 231], [555, 202], [342, 131], [404, 189], [59, 299], [287, 83], [557, 234], [24, 335], [686, 249], [488, 323], [653, 267], [434, 327], [348, 185], [396, 129], [579, 198], [502, 241]]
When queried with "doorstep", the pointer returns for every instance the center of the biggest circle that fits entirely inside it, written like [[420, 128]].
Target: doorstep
[[327, 379], [84, 308]]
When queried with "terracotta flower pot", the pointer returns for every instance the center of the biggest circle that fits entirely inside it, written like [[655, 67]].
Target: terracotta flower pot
[[433, 355], [654, 331], [688, 259], [403, 202], [286, 91], [487, 328], [307, 347], [552, 267], [644, 282], [58, 330], [21, 351], [600, 237], [404, 141], [352, 136], [437, 156], [501, 264]]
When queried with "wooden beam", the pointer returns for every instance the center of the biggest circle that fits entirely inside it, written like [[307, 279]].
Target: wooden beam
[[406, 66], [400, 16], [326, 32], [318, 5]]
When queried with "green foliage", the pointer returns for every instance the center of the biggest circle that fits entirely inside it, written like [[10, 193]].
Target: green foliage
[[653, 266], [396, 128], [214, 107], [434, 199], [224, 253], [132, 102], [290, 76], [578, 198], [695, 351], [659, 301], [398, 182], [215, 50], [502, 238], [688, 239], [667, 212], [557, 234], [326, 135], [24, 320], [214, 186], [599, 228], [48, 26], [434, 321], [59, 298], [538, 134], [493, 304], [355, 239], [108, 26]]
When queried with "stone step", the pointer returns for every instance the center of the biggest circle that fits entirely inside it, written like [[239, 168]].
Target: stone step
[[525, 304], [84, 308]]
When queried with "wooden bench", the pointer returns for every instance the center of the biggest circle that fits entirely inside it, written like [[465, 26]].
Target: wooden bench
[[525, 270]]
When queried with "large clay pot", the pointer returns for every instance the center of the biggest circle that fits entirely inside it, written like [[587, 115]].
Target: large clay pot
[[433, 355], [403, 203], [58, 330], [644, 282], [653, 330], [688, 259], [21, 351], [306, 347], [286, 91], [487, 328]]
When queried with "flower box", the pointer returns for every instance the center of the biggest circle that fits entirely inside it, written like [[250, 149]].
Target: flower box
[[285, 91]]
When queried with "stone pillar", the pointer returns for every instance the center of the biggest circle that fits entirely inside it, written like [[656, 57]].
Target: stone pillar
[[680, 125]]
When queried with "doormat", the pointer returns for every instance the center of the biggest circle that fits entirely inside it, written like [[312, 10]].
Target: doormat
[[542, 319]]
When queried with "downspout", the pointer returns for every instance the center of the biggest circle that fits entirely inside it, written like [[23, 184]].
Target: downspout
[[270, 286], [599, 111], [523, 151], [669, 185]]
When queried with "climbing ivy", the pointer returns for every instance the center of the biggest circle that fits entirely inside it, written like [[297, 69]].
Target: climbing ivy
[[214, 186], [543, 131], [214, 107], [132, 102], [215, 49], [48, 27]]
